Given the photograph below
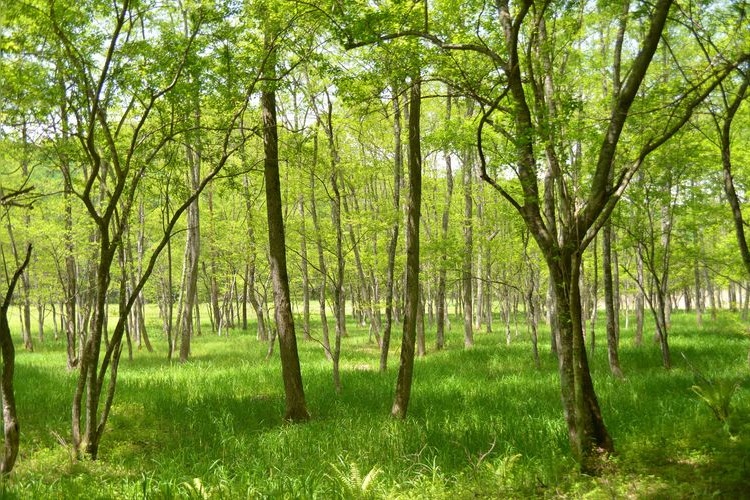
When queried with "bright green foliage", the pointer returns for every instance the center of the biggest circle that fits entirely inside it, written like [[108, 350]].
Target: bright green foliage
[[718, 396]]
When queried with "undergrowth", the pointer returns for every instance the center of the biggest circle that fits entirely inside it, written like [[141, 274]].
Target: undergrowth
[[482, 423]]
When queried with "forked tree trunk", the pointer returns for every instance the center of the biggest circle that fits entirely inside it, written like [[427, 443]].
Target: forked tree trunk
[[587, 433]]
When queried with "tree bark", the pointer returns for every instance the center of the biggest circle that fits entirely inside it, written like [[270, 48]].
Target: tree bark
[[398, 167], [724, 129], [305, 273], [296, 409], [189, 286], [640, 297], [338, 282], [586, 430], [11, 428], [322, 268], [611, 311], [406, 367], [468, 248]]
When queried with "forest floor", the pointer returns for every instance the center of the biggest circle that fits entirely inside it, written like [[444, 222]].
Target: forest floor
[[483, 423]]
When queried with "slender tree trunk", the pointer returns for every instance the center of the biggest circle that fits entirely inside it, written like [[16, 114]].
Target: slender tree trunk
[[367, 301], [398, 167], [296, 409], [25, 310], [595, 297], [189, 286], [724, 129], [338, 283], [531, 315], [305, 274], [640, 297], [322, 268], [609, 302], [468, 248], [406, 366], [421, 348]]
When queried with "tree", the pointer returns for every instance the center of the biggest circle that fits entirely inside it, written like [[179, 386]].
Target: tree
[[296, 409], [445, 219], [118, 88], [11, 428], [406, 366]]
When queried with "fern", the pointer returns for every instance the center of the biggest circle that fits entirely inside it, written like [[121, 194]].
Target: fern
[[718, 396], [351, 481]]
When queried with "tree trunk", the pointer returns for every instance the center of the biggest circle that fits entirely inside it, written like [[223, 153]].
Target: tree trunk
[[338, 282], [322, 268], [609, 302], [531, 315], [305, 273], [25, 309], [586, 431], [296, 409], [421, 348], [189, 286], [406, 367], [11, 429], [398, 167], [595, 297], [468, 248], [640, 297]]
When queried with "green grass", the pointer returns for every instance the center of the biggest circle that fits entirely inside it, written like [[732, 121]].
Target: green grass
[[482, 423]]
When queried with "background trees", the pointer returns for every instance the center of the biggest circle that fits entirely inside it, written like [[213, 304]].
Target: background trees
[[146, 126]]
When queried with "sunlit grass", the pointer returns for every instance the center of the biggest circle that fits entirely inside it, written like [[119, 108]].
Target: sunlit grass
[[482, 422]]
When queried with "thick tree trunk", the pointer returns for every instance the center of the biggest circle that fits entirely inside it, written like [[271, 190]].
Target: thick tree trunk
[[296, 409], [586, 430], [406, 367]]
